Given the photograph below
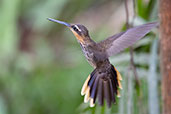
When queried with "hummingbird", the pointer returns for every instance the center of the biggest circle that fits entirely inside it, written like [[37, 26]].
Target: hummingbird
[[105, 80]]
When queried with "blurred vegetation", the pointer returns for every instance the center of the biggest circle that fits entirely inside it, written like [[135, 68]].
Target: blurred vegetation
[[43, 68]]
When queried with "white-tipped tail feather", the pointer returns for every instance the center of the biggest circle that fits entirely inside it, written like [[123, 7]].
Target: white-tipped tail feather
[[118, 74], [120, 85], [87, 95], [107, 89], [92, 102], [118, 94], [85, 86], [119, 78], [86, 91]]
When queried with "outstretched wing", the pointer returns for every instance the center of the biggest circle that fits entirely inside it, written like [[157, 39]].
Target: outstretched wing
[[120, 41]]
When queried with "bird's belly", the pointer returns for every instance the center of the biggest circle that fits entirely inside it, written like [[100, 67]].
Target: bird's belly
[[91, 58], [90, 55]]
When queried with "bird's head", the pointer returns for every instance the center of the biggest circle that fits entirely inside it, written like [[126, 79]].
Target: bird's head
[[80, 31]]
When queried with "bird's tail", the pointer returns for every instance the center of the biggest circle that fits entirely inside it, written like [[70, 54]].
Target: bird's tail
[[102, 86]]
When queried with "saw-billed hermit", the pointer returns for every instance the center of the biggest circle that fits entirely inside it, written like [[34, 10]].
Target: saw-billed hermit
[[104, 82]]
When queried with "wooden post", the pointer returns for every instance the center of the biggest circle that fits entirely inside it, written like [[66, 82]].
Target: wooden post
[[165, 52]]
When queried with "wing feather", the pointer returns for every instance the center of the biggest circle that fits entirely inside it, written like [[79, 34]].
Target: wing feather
[[120, 41]]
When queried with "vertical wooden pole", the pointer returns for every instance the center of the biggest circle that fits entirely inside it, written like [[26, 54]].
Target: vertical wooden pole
[[165, 49]]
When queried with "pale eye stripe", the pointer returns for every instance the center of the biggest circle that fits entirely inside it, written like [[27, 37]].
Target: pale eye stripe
[[78, 28]]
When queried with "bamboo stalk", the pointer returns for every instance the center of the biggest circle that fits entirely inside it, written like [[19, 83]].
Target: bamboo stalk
[[153, 102]]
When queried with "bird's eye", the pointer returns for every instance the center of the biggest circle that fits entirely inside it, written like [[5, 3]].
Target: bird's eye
[[75, 28]]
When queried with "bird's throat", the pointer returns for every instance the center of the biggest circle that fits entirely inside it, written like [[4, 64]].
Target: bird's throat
[[79, 38]]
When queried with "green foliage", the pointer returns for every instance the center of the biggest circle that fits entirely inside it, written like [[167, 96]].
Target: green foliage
[[42, 66]]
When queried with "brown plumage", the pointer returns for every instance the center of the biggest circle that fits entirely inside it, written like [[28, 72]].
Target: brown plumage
[[104, 82]]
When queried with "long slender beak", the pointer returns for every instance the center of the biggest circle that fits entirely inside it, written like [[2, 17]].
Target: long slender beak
[[60, 22]]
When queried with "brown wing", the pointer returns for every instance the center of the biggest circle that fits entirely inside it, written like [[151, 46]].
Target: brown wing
[[120, 41]]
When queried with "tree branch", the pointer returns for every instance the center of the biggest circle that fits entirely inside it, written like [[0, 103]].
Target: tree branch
[[132, 64]]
